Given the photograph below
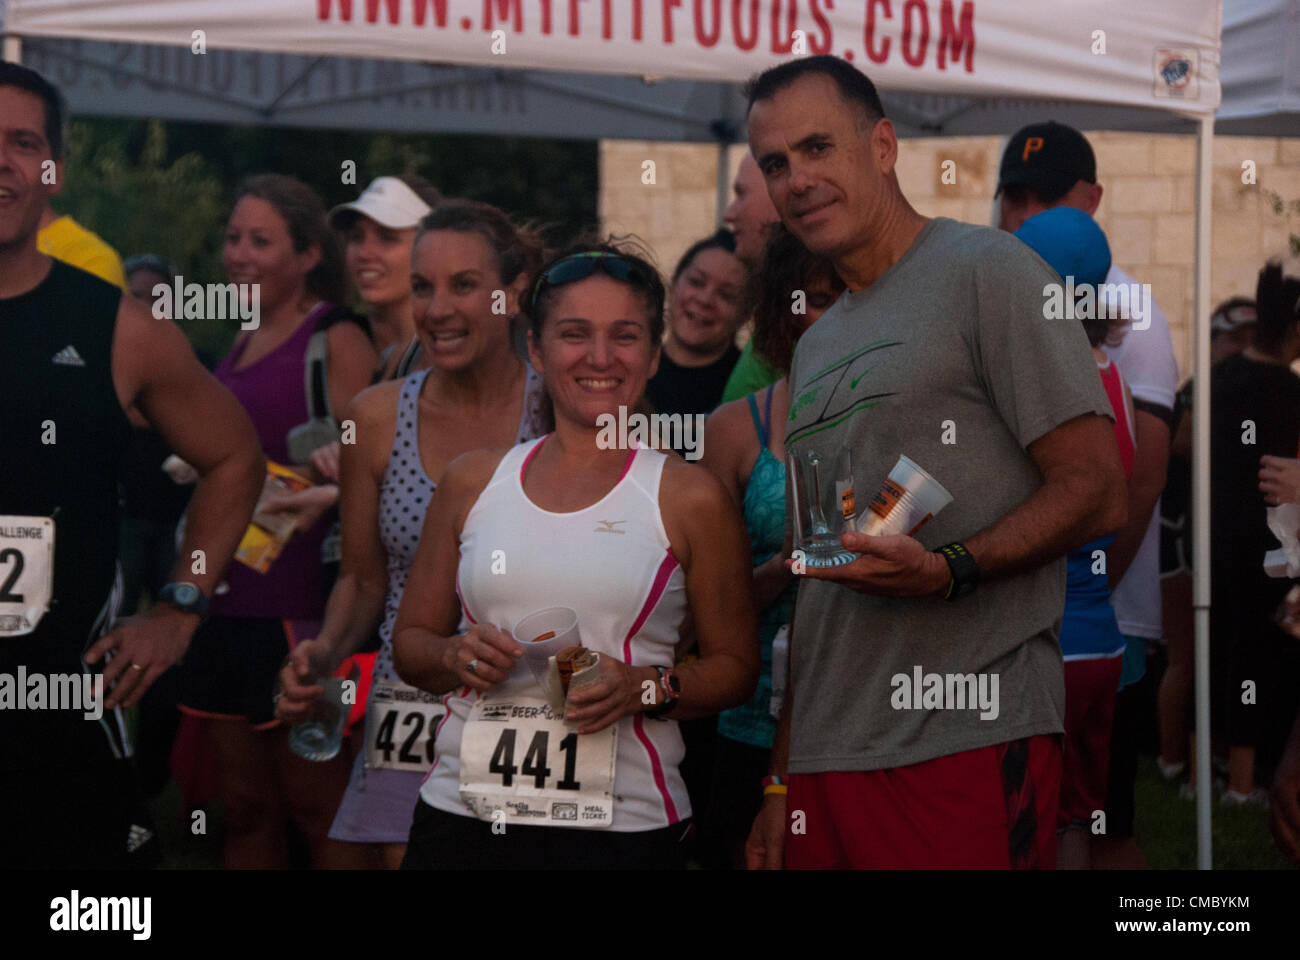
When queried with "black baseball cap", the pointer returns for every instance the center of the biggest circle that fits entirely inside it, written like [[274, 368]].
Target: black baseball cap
[[1049, 158], [1233, 315]]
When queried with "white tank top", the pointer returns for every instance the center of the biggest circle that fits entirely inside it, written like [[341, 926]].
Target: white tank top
[[613, 564]]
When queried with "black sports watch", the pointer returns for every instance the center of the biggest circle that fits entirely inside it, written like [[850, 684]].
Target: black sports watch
[[672, 688], [186, 597], [965, 574]]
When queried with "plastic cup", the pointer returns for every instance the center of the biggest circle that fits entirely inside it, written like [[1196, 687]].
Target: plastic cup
[[906, 500], [562, 621]]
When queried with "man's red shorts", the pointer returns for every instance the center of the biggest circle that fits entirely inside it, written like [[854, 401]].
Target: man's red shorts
[[989, 808], [1090, 689]]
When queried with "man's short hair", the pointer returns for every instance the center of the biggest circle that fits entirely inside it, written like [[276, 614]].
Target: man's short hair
[[24, 78], [853, 84], [1277, 307]]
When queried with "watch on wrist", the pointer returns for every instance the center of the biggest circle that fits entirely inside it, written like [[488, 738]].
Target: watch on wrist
[[671, 686], [186, 597], [964, 573]]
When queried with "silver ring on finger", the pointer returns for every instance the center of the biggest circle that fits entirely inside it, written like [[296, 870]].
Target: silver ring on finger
[[472, 666]]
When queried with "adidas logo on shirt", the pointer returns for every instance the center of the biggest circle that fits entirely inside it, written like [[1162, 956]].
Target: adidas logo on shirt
[[137, 838], [68, 357]]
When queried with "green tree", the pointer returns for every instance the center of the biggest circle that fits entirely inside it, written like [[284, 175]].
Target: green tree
[[148, 186], [1286, 210], [142, 201]]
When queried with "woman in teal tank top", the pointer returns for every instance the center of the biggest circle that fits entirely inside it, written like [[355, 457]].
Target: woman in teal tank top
[[744, 445]]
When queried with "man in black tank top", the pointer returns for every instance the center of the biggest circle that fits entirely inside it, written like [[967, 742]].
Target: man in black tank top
[[76, 354]]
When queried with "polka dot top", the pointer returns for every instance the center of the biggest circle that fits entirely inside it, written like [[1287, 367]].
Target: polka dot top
[[406, 490]]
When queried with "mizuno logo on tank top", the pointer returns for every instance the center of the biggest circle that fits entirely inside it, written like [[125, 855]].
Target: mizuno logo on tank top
[[607, 526]]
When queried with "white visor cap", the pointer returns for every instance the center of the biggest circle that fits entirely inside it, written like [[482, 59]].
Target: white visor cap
[[387, 201]]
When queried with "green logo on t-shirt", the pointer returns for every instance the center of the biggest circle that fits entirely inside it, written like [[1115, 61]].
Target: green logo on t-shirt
[[834, 411], [805, 398]]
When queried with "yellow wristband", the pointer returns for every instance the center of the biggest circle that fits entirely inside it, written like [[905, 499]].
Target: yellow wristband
[[779, 788]]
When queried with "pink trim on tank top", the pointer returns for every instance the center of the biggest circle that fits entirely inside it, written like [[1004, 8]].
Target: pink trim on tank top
[[665, 571], [666, 568], [463, 606], [523, 467], [631, 455]]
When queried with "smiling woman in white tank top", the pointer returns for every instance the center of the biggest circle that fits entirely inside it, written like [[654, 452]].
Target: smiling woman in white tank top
[[640, 544]]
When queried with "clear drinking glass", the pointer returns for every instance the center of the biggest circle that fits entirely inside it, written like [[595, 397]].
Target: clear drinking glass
[[823, 506], [320, 736]]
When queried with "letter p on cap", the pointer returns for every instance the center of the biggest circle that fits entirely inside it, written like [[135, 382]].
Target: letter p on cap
[[1032, 145]]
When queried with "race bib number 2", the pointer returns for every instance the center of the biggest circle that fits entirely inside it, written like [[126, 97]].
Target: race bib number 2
[[400, 726], [26, 572], [520, 760]]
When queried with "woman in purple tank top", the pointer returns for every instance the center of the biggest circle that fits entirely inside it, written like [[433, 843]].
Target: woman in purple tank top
[[276, 238], [472, 388]]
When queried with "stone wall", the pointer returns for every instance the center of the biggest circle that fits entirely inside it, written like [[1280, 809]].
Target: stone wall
[[1147, 209]]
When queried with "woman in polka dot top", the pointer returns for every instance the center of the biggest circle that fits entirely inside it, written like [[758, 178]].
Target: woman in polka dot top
[[470, 265]]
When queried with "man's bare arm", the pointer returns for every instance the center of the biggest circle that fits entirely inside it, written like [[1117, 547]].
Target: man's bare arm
[[1082, 497], [155, 369], [205, 426]]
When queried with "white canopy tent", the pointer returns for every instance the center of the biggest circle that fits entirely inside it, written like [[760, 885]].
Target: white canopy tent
[[1261, 68], [139, 61], [668, 69]]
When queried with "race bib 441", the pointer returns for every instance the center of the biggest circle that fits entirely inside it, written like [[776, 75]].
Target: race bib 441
[[520, 762], [26, 572]]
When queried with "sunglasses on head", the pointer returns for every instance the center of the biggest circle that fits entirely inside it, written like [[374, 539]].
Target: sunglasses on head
[[580, 266]]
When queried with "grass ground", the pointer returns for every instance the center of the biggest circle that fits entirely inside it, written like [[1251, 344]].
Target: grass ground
[[183, 849], [1166, 829]]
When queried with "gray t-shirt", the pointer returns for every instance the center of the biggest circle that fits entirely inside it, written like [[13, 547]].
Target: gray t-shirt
[[950, 344]]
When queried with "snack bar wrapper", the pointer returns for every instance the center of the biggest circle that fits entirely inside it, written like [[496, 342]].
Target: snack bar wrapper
[[1285, 561], [573, 668]]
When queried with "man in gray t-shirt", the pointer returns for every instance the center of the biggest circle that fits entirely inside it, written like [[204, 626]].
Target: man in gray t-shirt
[[922, 723]]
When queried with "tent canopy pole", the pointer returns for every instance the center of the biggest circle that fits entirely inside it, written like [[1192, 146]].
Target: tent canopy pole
[[723, 192], [1201, 487]]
